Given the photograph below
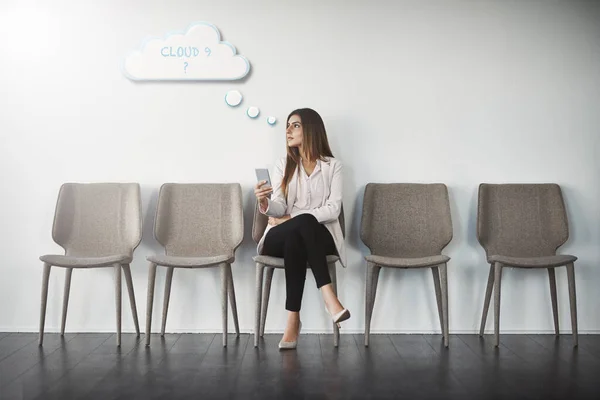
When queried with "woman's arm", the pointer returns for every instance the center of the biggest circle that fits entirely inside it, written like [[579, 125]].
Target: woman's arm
[[333, 205], [277, 204]]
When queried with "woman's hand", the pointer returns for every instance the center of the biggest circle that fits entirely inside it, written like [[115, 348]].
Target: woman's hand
[[262, 194], [276, 221]]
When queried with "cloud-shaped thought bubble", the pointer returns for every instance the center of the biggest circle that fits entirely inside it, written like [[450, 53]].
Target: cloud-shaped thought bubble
[[197, 54]]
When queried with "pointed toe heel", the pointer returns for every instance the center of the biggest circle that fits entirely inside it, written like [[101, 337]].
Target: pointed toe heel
[[290, 345]]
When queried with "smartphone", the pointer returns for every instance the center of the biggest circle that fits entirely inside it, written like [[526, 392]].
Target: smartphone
[[262, 174]]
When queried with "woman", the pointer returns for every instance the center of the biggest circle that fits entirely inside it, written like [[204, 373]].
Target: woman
[[303, 216]]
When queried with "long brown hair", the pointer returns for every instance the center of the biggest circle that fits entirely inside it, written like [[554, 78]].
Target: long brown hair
[[314, 143]]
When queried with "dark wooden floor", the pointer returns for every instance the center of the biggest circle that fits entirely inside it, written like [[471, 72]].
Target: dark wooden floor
[[90, 366]]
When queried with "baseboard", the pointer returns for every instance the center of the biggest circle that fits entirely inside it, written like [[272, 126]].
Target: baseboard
[[320, 331]]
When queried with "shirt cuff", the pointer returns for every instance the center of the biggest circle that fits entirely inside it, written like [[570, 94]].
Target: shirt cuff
[[267, 209]]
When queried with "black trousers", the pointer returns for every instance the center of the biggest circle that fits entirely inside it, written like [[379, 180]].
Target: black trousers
[[299, 241]]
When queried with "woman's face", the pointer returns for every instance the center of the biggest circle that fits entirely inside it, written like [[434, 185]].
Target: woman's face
[[293, 131]]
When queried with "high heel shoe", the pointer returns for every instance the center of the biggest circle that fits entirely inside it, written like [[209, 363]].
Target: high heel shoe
[[339, 317], [290, 345]]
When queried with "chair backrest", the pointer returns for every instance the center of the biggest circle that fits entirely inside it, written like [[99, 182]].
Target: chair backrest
[[203, 219], [260, 222], [406, 219], [98, 219], [521, 220]]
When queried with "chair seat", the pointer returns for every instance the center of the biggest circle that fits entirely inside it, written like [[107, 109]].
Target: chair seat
[[85, 262], [416, 262], [277, 262], [190, 262], [534, 262]]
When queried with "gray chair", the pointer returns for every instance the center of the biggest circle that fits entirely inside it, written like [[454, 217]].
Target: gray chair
[[522, 226], [270, 263], [200, 226], [407, 226], [98, 225]]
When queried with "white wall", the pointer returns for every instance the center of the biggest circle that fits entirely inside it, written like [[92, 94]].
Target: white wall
[[459, 92]]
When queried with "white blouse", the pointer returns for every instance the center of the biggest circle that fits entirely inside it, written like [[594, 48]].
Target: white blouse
[[309, 190]]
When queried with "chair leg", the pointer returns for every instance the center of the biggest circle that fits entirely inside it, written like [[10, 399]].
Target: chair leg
[[438, 294], [232, 302], [150, 300], [44, 301], [444, 285], [259, 284], [336, 330], [68, 273], [266, 294], [488, 297], [129, 283], [166, 299], [553, 297], [573, 301], [371, 290], [118, 301], [497, 279], [224, 287]]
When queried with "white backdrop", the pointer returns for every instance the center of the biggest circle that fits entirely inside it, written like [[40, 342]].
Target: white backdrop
[[460, 92]]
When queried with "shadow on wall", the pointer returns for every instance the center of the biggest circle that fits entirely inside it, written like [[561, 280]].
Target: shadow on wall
[[473, 278], [149, 243]]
